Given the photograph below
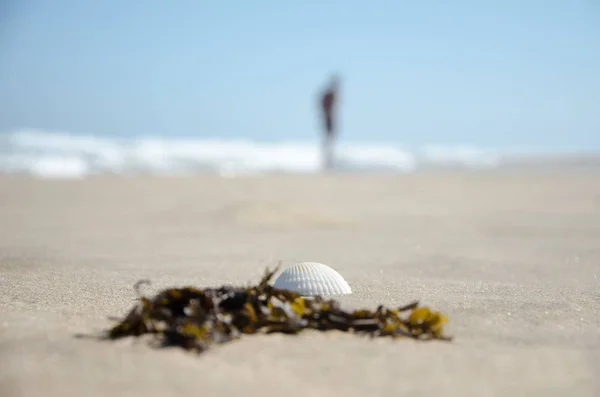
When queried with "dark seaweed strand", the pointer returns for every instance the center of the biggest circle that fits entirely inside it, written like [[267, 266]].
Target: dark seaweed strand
[[195, 319]]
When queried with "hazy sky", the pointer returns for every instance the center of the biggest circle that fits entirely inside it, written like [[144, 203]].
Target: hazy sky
[[494, 73]]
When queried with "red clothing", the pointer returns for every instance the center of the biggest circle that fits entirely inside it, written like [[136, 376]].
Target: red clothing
[[328, 100], [327, 103]]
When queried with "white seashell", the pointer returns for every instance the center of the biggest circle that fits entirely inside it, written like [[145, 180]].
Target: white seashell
[[312, 278]]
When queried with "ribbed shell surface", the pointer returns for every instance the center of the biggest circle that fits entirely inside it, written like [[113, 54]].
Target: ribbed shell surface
[[312, 278]]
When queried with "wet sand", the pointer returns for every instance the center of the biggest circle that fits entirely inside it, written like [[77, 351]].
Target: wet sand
[[512, 258]]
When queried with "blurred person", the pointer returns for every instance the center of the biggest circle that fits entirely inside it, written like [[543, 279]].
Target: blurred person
[[328, 104]]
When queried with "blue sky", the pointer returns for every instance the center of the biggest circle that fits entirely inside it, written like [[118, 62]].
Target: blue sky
[[490, 73]]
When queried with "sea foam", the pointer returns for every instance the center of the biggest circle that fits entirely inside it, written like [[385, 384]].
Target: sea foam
[[62, 155]]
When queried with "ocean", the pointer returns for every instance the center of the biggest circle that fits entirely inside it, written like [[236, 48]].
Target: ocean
[[62, 155]]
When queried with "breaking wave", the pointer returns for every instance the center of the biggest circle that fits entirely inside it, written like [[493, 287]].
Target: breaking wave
[[50, 154]]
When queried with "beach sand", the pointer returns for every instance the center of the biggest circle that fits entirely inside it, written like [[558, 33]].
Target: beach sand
[[512, 258]]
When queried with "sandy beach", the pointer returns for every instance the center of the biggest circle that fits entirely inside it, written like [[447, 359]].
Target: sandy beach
[[512, 258]]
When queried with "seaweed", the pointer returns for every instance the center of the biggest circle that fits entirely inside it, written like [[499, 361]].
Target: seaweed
[[195, 319]]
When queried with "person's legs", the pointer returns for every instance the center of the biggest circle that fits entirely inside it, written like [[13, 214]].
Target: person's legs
[[328, 152], [328, 143], [329, 124]]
